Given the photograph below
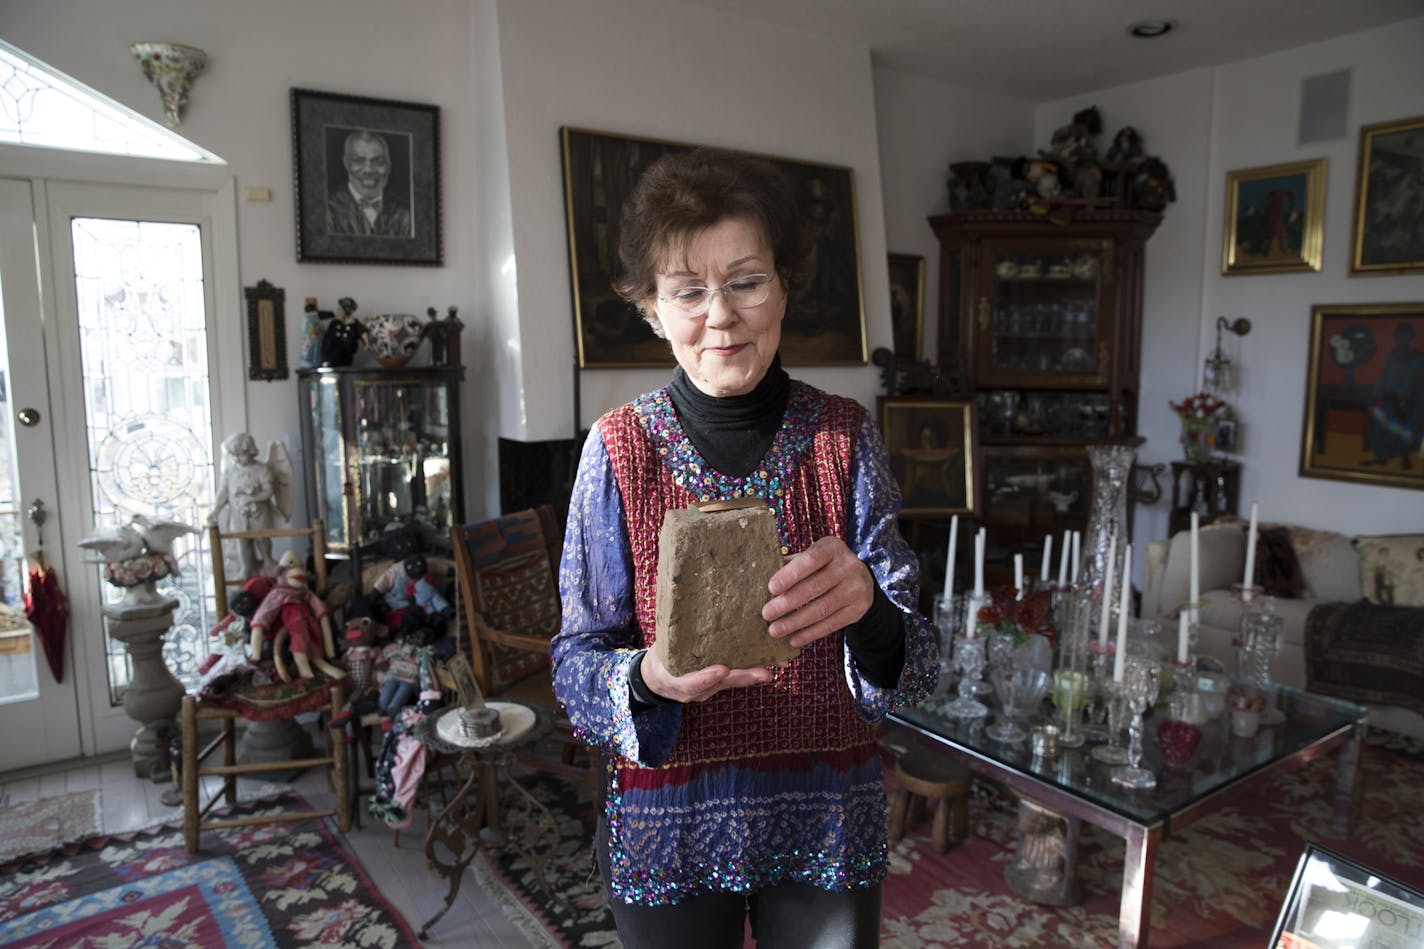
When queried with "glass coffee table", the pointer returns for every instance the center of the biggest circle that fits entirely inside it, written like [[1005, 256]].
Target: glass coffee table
[[1078, 786]]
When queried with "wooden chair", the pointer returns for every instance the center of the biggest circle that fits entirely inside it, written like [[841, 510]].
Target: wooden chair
[[508, 573], [258, 703]]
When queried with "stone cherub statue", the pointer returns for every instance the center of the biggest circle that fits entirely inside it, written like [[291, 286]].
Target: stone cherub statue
[[255, 494]]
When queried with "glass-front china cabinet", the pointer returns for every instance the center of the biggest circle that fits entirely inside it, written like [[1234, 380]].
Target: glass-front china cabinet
[[1045, 317], [382, 448]]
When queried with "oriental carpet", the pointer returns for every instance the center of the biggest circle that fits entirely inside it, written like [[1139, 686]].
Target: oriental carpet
[[1219, 885], [268, 885]]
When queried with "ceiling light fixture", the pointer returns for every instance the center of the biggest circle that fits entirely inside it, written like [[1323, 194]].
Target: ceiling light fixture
[[1151, 29]]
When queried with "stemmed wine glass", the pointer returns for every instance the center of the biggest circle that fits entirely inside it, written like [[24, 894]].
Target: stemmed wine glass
[[949, 621], [1140, 679], [1021, 689], [1069, 690]]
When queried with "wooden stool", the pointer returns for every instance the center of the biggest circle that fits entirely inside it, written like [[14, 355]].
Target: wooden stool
[[921, 778]]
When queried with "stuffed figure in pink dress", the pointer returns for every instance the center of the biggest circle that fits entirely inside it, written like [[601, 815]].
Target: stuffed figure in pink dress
[[292, 607]]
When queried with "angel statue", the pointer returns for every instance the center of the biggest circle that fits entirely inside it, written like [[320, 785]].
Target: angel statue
[[257, 495]]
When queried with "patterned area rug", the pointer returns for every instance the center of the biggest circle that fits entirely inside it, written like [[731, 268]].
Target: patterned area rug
[[43, 825], [269, 885], [1220, 883]]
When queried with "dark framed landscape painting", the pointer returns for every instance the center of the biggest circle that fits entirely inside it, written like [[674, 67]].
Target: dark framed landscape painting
[[825, 320], [1389, 199]]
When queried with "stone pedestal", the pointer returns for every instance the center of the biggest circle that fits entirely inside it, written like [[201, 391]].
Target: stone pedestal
[[154, 695], [281, 739], [1045, 865]]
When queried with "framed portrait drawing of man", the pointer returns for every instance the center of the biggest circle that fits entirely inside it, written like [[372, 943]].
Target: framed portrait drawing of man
[[825, 322], [367, 177], [1389, 199], [907, 306], [1274, 218], [932, 444], [1364, 395]]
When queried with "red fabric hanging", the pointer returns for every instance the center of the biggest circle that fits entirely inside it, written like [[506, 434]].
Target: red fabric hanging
[[48, 612]]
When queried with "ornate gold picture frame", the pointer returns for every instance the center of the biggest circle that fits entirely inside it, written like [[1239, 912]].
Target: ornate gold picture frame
[[1389, 199], [1274, 218], [933, 448]]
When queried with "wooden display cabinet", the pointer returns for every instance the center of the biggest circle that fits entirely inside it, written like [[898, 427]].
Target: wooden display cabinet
[[1046, 319]]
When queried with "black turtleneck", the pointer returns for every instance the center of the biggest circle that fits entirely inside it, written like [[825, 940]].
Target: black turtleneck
[[733, 434]]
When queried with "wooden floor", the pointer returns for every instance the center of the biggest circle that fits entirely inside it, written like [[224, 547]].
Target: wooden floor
[[399, 872]]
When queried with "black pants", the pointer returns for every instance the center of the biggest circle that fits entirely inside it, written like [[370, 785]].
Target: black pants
[[787, 916]]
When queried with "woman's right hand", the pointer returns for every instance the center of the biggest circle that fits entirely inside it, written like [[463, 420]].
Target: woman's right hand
[[700, 685]]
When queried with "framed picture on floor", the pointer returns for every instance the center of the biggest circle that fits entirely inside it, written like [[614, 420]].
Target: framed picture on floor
[[1274, 218], [932, 444], [367, 179], [1389, 199], [907, 306], [825, 321], [1337, 903], [1364, 394]]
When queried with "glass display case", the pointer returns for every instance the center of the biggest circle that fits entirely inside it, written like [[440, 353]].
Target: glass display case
[[1045, 317], [381, 446]]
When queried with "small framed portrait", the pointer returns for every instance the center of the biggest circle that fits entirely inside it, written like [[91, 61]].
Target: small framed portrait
[[1274, 218], [1364, 418], [367, 180], [932, 444], [1389, 199], [907, 306], [1335, 902], [1227, 436]]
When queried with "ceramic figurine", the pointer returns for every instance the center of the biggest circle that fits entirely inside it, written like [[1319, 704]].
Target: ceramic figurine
[[310, 355], [342, 339]]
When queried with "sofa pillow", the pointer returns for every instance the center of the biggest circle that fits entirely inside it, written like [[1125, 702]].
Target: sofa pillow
[[1277, 569], [1329, 565], [1392, 568], [1221, 557]]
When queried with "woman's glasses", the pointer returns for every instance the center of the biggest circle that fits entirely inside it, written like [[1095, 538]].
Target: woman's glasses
[[751, 290]]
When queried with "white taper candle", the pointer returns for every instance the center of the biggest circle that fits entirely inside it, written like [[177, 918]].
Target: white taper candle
[[1123, 608], [949, 559], [1103, 629]]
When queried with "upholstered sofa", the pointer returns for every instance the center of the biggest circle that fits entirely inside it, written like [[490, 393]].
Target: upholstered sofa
[[1302, 570]]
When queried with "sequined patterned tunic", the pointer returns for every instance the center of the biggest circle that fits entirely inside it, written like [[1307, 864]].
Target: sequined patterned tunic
[[756, 785]]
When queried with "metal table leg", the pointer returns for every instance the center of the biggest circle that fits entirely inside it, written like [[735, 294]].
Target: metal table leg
[[1138, 869]]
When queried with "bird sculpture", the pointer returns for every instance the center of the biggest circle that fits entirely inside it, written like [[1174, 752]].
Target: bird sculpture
[[137, 551]]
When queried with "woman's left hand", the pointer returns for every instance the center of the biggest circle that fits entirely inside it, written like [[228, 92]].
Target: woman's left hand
[[824, 588]]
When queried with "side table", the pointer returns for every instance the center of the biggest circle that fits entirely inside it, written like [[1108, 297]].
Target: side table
[[1212, 488], [489, 799]]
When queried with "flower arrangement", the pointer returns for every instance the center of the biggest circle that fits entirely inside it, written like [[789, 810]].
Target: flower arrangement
[[1200, 413], [1017, 619]]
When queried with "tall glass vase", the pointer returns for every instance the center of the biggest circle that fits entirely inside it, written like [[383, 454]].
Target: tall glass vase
[[1107, 514]]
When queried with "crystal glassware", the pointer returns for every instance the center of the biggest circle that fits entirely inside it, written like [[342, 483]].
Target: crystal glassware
[[1097, 699], [969, 663], [1261, 640], [1115, 698], [1140, 679], [949, 622], [1069, 690]]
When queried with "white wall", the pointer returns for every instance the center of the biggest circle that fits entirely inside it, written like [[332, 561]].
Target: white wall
[[924, 126], [1204, 124]]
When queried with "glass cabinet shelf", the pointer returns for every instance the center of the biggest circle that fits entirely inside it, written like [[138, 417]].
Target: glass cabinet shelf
[[382, 447]]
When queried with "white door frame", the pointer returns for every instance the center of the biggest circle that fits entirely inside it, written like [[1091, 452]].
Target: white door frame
[[68, 184]]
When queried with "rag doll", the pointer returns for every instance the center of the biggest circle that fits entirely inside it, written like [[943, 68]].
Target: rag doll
[[409, 668], [292, 607], [227, 664], [362, 634], [414, 594]]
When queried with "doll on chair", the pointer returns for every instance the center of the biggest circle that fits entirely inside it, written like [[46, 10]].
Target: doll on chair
[[292, 607]]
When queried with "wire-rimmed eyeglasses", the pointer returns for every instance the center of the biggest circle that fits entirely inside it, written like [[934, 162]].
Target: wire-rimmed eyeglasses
[[751, 290]]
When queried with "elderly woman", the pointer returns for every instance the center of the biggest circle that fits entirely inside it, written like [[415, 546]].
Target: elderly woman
[[736, 792]]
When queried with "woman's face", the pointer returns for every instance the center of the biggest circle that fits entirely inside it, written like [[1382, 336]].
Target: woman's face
[[727, 349]]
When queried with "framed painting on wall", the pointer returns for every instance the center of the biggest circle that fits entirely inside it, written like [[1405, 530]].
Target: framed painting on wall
[[1274, 218], [907, 306], [825, 322], [1364, 395], [932, 445], [1389, 199], [367, 180]]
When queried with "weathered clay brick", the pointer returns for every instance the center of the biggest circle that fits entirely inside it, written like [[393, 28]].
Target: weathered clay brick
[[713, 568]]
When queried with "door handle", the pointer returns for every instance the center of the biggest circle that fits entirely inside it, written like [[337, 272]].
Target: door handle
[[28, 417]]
